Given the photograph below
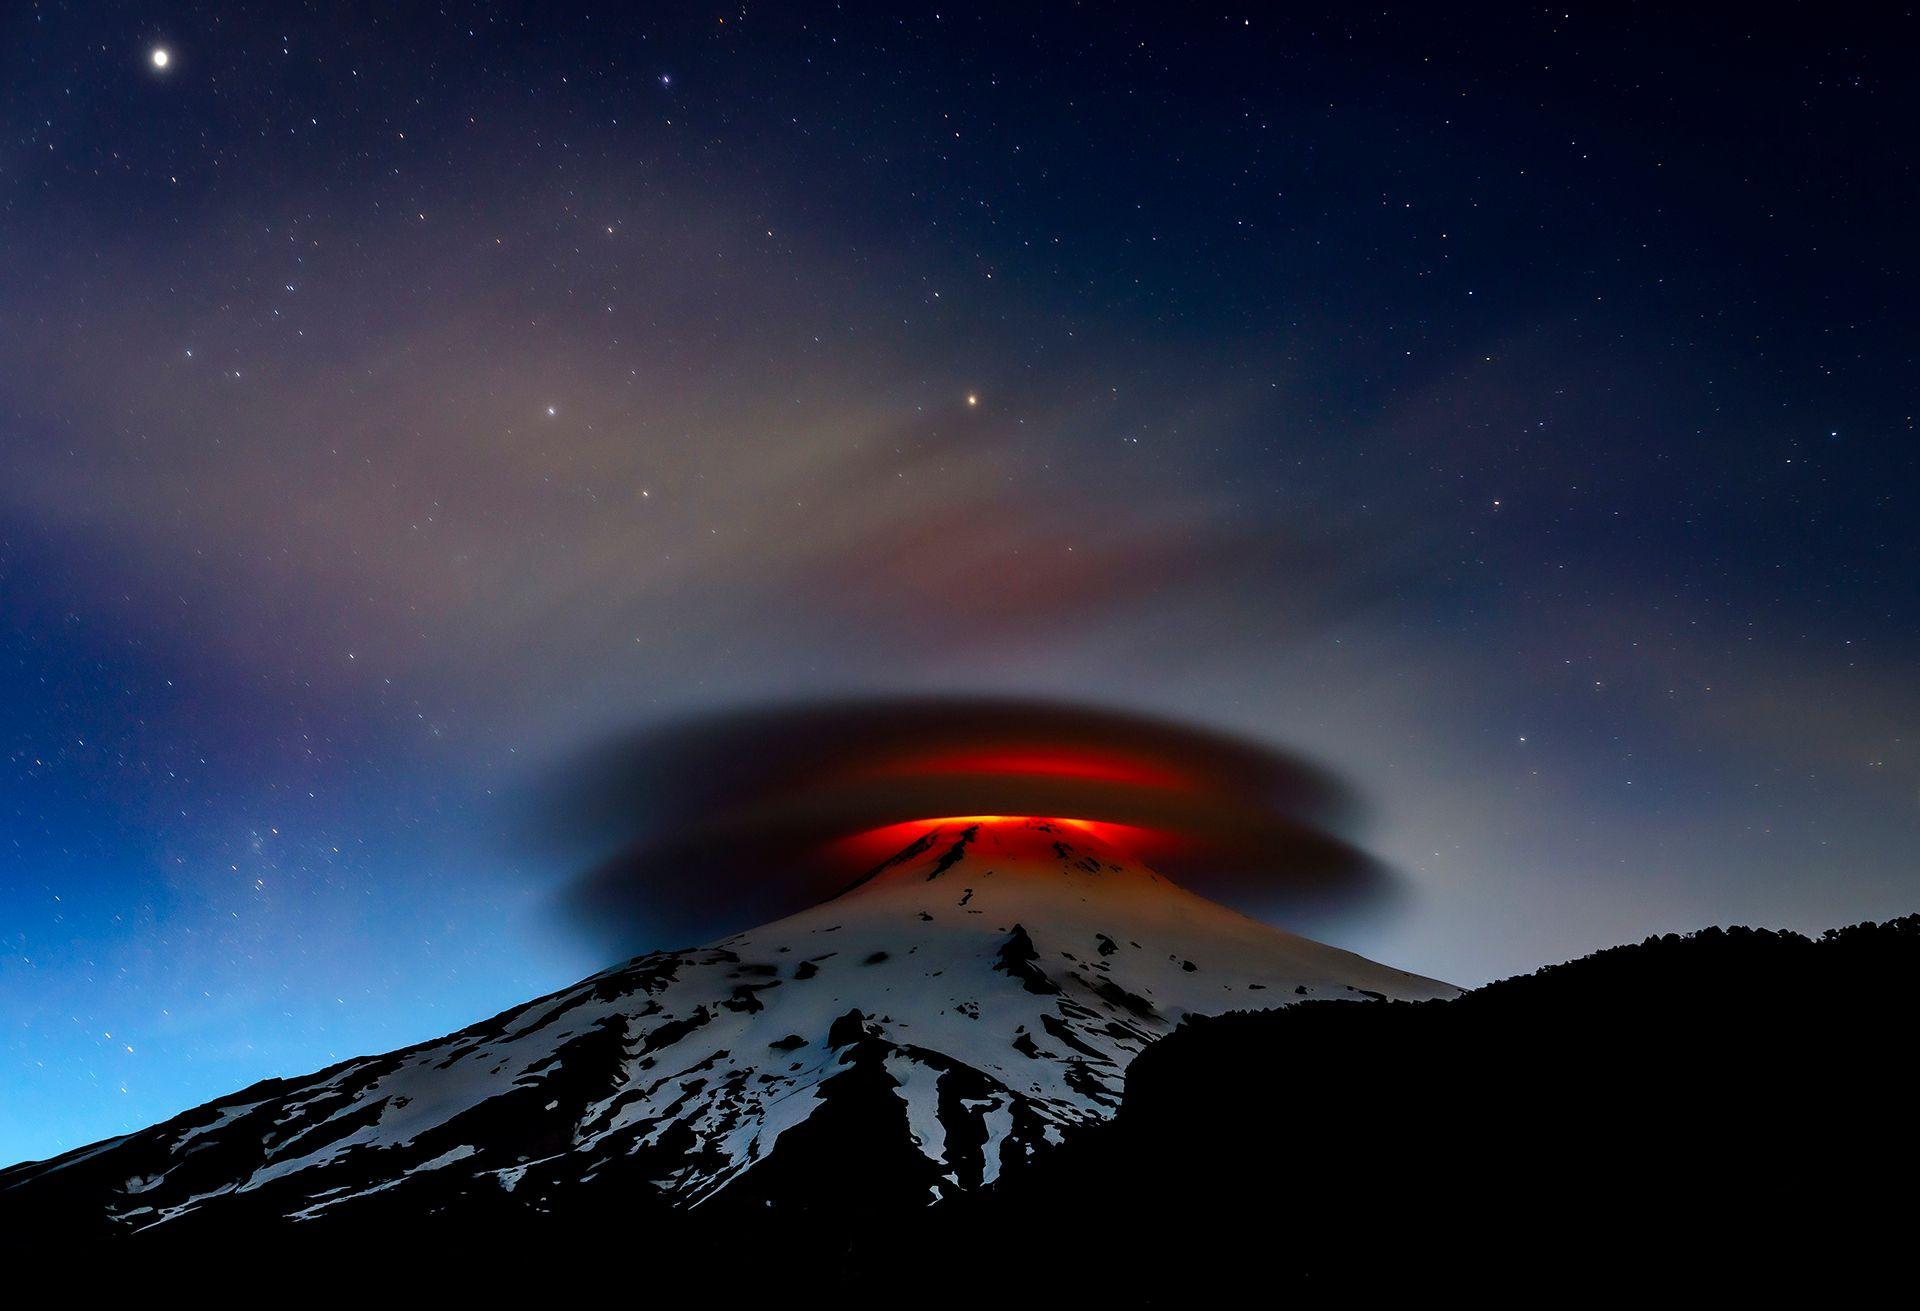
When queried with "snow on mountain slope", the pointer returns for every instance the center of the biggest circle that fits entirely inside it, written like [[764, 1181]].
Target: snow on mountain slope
[[985, 988]]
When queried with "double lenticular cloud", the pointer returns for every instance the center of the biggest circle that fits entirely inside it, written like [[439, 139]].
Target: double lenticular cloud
[[724, 820]]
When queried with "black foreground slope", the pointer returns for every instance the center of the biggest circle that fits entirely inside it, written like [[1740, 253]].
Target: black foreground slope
[[1734, 1107]]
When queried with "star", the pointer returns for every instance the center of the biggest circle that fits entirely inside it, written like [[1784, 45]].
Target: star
[[161, 57]]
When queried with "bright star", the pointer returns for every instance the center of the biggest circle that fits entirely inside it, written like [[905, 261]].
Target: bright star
[[160, 57]]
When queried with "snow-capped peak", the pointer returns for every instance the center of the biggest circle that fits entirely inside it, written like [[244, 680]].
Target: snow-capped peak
[[994, 979]]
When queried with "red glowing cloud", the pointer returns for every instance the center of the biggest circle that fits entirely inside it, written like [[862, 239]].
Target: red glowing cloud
[[1037, 763], [728, 820]]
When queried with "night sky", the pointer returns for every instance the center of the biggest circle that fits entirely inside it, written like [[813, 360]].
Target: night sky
[[1511, 412]]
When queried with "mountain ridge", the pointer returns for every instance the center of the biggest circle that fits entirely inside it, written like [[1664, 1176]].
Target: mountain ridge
[[994, 979]]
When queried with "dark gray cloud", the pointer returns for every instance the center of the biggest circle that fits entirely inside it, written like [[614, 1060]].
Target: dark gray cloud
[[719, 821]]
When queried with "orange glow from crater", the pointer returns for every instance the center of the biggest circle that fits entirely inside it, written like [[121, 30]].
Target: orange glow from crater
[[877, 844]]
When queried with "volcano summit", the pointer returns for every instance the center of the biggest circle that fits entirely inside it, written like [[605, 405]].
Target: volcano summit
[[958, 1010]]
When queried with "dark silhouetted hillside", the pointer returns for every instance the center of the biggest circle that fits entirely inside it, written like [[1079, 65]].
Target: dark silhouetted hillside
[[1733, 1106]]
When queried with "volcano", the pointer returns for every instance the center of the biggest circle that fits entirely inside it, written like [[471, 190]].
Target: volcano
[[962, 1008]]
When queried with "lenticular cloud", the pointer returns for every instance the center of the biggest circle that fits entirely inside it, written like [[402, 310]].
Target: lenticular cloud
[[718, 821]]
